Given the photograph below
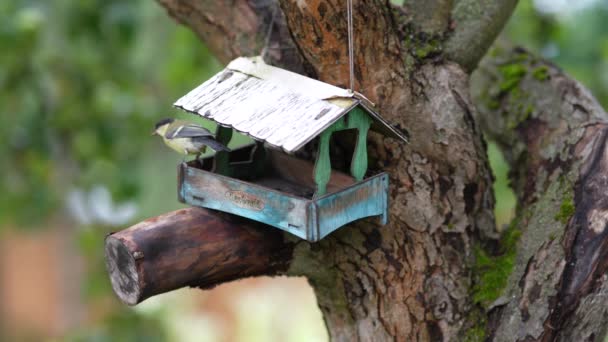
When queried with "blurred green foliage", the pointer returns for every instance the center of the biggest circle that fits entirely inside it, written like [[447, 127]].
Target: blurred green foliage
[[81, 84], [572, 36], [504, 208]]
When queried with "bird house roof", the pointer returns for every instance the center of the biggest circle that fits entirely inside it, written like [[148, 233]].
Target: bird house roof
[[283, 109]]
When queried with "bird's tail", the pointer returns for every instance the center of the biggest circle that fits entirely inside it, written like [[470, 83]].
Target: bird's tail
[[214, 144]]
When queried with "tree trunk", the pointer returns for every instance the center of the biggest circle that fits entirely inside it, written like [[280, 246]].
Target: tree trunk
[[440, 270]]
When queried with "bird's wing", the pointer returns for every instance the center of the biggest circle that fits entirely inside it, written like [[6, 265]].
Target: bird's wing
[[215, 145], [186, 130]]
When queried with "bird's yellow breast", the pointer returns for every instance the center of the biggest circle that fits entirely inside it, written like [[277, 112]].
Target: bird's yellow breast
[[182, 145]]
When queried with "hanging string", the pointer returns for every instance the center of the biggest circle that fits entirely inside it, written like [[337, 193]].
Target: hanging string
[[268, 34], [351, 57], [351, 54]]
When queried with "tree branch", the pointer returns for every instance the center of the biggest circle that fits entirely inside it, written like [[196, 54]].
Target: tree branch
[[239, 29], [476, 23], [190, 247], [430, 16], [554, 134]]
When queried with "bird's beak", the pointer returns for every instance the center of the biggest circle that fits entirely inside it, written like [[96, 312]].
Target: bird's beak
[[154, 133]]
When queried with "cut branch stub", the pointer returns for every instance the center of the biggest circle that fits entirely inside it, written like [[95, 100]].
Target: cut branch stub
[[190, 247]]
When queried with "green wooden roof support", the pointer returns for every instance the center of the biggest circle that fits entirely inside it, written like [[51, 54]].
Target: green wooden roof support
[[360, 120], [223, 166], [221, 161], [355, 119]]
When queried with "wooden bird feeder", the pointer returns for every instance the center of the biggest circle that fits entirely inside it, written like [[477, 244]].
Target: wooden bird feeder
[[283, 111]]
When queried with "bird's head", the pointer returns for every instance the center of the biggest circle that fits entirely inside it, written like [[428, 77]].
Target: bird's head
[[161, 127]]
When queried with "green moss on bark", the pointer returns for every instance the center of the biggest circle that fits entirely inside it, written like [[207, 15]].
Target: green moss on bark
[[512, 74], [541, 73], [492, 271], [428, 48], [478, 332], [421, 45], [566, 210]]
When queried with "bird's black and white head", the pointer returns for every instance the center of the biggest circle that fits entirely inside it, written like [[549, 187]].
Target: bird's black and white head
[[161, 127]]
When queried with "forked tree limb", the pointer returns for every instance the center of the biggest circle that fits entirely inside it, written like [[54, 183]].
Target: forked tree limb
[[430, 16], [476, 24], [555, 136], [190, 247], [239, 28]]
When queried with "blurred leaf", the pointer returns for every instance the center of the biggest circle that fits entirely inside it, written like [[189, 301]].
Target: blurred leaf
[[84, 83]]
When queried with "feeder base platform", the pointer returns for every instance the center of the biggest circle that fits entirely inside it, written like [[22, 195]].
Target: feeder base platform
[[280, 202]]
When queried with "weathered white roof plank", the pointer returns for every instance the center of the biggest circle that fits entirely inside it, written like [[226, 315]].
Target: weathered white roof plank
[[281, 108]]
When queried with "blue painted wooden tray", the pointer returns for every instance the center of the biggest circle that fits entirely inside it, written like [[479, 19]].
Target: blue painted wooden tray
[[286, 199]]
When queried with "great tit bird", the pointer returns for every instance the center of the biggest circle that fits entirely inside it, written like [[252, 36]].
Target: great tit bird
[[186, 137]]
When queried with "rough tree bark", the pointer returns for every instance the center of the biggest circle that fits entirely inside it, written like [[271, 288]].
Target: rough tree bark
[[554, 134], [440, 270], [163, 253]]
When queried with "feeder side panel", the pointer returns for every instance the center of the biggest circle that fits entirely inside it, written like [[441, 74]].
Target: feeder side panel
[[367, 198], [313, 222], [213, 191]]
